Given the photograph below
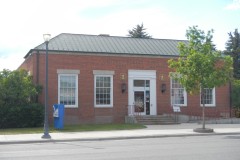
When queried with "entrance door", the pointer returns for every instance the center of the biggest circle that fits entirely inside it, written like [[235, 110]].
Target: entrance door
[[142, 102], [142, 91], [139, 102]]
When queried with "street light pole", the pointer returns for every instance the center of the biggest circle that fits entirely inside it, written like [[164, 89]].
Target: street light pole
[[46, 135]]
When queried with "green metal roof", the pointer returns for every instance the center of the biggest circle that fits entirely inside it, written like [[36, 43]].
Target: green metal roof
[[104, 44]]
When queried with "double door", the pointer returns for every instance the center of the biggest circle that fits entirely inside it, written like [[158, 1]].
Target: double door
[[142, 91]]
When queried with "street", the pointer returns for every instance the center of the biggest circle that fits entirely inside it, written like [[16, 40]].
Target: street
[[171, 148]]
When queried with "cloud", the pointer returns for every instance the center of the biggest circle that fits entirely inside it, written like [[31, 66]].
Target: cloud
[[24, 23], [11, 62], [235, 5]]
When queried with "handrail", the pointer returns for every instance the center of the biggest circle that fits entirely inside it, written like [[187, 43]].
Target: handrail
[[134, 110]]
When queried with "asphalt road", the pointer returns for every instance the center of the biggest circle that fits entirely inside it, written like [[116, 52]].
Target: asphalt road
[[225, 147]]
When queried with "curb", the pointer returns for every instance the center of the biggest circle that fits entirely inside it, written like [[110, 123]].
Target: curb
[[115, 138]]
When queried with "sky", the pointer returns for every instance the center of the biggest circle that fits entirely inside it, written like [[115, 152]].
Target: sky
[[23, 22]]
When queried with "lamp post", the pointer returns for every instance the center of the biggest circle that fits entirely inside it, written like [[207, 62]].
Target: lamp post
[[46, 135]]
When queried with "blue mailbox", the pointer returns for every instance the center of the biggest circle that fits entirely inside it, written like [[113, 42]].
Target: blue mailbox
[[58, 115]]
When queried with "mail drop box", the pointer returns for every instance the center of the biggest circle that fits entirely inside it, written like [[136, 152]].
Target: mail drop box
[[58, 115]]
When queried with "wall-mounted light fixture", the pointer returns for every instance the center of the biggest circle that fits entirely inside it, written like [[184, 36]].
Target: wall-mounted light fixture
[[161, 77], [122, 76], [123, 87], [163, 87]]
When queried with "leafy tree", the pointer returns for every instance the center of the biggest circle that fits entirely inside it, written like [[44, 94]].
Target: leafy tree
[[200, 65], [17, 96], [138, 32], [16, 88], [233, 49]]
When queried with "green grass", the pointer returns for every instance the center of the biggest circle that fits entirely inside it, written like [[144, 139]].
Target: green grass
[[74, 128]]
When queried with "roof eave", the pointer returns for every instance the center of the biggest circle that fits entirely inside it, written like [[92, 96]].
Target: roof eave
[[136, 54], [29, 52]]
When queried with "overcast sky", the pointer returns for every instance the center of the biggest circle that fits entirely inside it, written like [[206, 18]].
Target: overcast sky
[[23, 22]]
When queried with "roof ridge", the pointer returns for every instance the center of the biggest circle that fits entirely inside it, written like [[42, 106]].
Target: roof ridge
[[108, 36]]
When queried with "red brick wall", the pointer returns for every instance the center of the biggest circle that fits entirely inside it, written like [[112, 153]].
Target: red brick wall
[[28, 64], [86, 112]]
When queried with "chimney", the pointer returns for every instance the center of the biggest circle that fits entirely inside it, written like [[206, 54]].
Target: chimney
[[104, 35]]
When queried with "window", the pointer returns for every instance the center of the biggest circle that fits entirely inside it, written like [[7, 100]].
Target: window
[[178, 93], [68, 90], [209, 97], [141, 83], [103, 92]]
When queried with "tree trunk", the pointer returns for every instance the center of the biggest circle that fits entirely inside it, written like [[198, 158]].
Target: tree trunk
[[230, 93], [203, 116], [203, 107]]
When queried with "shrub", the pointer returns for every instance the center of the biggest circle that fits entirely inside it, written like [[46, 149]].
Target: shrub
[[18, 95], [21, 116], [236, 94]]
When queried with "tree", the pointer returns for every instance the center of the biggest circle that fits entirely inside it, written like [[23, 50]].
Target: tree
[[17, 97], [236, 94], [200, 66], [16, 88], [138, 32], [233, 49]]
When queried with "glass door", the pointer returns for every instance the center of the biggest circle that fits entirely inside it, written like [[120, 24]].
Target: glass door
[[147, 102], [139, 101], [142, 96]]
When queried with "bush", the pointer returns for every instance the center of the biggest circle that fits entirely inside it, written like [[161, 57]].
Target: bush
[[235, 97], [236, 94], [18, 95], [21, 116]]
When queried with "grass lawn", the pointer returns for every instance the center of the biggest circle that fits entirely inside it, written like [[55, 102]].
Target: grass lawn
[[74, 128]]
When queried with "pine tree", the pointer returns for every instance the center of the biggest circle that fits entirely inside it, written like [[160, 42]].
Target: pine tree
[[233, 49], [138, 32]]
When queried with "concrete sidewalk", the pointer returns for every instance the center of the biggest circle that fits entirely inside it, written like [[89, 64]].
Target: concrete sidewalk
[[152, 131]]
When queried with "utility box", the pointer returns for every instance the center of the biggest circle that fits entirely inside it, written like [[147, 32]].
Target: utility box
[[58, 115]]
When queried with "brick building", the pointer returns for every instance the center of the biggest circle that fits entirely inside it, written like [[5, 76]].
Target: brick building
[[100, 78]]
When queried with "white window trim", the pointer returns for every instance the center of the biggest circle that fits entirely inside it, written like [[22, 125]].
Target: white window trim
[[214, 99], [105, 74], [184, 94], [76, 92], [68, 71]]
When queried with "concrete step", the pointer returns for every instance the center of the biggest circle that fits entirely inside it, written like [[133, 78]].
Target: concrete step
[[155, 120]]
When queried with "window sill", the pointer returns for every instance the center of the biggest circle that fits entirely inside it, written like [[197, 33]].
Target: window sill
[[209, 105], [180, 105], [70, 106], [103, 106]]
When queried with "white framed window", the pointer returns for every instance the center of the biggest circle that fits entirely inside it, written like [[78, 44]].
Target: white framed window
[[68, 88], [178, 93], [209, 97], [103, 88]]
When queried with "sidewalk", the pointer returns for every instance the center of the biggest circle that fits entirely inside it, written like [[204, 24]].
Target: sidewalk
[[152, 131]]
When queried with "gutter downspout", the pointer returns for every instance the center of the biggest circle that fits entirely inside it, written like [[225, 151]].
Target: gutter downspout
[[37, 72], [37, 68], [230, 98]]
